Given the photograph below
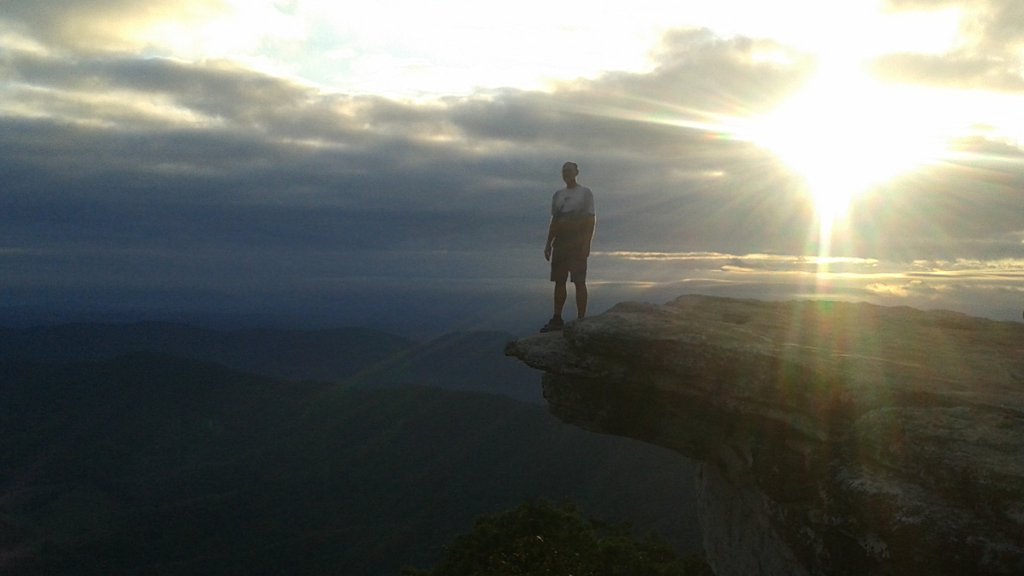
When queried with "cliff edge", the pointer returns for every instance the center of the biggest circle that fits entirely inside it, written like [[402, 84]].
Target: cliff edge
[[833, 438]]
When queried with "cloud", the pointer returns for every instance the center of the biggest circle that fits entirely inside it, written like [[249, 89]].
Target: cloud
[[901, 290], [102, 25], [959, 70], [987, 56], [999, 24], [990, 22]]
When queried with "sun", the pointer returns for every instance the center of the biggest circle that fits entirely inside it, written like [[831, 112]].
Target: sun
[[845, 133]]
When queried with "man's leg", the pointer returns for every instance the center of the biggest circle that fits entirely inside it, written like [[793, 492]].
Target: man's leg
[[556, 323], [561, 293], [581, 299]]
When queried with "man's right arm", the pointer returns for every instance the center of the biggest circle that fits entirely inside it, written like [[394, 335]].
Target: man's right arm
[[552, 233]]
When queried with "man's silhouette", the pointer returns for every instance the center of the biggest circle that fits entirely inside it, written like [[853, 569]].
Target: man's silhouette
[[569, 235]]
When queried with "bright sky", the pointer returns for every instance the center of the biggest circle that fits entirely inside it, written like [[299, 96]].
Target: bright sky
[[407, 48], [404, 115]]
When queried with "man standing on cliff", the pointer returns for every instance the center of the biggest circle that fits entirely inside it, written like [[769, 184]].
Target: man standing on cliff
[[569, 235]]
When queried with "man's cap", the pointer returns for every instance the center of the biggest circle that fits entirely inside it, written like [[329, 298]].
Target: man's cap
[[570, 166]]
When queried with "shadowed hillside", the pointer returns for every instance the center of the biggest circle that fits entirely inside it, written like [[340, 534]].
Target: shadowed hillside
[[149, 464]]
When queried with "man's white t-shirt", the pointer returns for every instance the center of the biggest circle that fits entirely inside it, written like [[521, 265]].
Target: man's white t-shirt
[[577, 201]]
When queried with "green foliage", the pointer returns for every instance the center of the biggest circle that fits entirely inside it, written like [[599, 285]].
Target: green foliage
[[541, 539]]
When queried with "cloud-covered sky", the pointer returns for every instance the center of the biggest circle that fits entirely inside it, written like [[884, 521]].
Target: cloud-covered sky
[[392, 163]]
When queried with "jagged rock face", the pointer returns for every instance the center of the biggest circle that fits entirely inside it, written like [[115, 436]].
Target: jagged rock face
[[834, 438]]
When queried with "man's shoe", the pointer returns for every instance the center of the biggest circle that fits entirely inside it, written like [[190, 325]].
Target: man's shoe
[[553, 325]]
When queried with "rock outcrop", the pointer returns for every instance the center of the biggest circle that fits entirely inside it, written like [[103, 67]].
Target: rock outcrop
[[834, 438]]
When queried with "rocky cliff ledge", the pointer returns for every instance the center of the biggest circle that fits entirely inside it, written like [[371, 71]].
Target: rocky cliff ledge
[[833, 438]]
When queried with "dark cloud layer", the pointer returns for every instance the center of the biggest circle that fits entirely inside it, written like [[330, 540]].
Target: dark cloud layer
[[143, 182]]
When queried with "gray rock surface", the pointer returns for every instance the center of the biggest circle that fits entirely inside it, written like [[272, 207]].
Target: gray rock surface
[[834, 438]]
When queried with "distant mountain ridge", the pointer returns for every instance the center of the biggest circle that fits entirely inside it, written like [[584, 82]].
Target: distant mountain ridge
[[471, 361], [330, 355]]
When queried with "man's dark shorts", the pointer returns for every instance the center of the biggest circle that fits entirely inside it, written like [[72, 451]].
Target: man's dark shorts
[[568, 264]]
